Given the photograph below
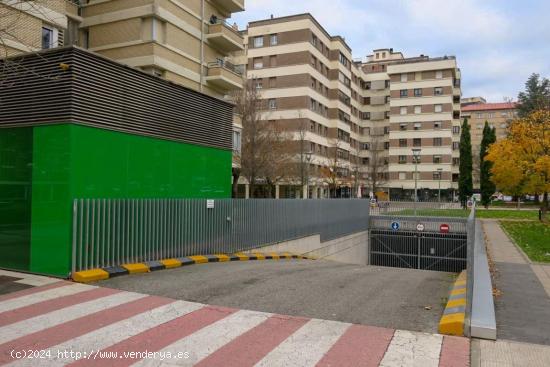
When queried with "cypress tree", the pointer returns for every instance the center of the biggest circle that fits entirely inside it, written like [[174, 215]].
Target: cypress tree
[[486, 185], [465, 182]]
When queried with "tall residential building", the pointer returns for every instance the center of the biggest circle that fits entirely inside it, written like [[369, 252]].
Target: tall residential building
[[498, 115], [371, 114]]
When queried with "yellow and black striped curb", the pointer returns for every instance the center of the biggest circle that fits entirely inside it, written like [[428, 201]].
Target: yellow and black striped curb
[[452, 321], [92, 275]]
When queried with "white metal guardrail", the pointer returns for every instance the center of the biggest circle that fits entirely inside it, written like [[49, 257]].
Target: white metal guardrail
[[109, 232]]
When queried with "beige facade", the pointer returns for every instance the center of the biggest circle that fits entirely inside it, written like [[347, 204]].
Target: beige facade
[[497, 115], [32, 26], [355, 109]]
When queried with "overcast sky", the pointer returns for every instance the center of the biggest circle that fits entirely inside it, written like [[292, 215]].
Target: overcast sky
[[498, 43]]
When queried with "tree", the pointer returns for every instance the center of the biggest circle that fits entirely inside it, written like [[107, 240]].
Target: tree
[[377, 164], [262, 141], [535, 97], [487, 187], [465, 183], [521, 162], [331, 173]]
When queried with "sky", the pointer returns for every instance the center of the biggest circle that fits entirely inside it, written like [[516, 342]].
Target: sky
[[498, 43]]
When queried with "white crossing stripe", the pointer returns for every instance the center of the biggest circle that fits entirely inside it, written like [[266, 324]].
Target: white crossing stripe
[[413, 349], [18, 302], [112, 334], [307, 345], [63, 315], [30, 279], [206, 341]]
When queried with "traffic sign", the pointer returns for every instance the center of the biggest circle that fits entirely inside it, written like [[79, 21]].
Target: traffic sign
[[420, 227], [444, 228], [469, 204], [395, 226]]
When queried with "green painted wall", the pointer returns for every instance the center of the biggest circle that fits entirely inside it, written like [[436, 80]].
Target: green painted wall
[[15, 197], [71, 161]]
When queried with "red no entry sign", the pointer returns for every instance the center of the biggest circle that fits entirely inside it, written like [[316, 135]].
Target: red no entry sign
[[444, 228]]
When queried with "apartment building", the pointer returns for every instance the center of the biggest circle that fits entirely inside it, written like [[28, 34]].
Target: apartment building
[[33, 26], [310, 86], [497, 115], [369, 115]]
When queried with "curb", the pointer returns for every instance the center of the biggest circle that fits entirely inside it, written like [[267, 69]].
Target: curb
[[452, 321], [92, 275]]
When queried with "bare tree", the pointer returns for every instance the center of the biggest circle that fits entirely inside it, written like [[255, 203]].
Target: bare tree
[[377, 164], [331, 173], [264, 152]]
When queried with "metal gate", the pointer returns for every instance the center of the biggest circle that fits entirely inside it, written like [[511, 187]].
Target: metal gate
[[419, 250]]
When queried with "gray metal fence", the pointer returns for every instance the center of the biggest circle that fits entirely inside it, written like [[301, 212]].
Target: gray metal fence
[[109, 232]]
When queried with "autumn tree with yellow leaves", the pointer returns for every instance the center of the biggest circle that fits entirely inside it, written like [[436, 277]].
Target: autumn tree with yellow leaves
[[521, 162]]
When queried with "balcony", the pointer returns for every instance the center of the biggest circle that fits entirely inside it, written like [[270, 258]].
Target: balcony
[[224, 37], [224, 75], [232, 6]]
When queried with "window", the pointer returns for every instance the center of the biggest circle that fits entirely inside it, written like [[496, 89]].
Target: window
[[387, 99], [259, 84], [258, 63], [437, 175], [456, 129], [272, 82], [417, 142], [437, 159], [365, 115], [273, 61], [402, 159], [491, 115], [402, 175], [403, 78], [417, 126], [386, 129], [344, 79], [47, 38], [439, 74], [403, 93], [403, 127], [437, 125], [438, 91], [258, 41], [402, 143], [237, 141], [367, 85], [343, 60], [272, 103], [437, 142], [387, 145], [273, 39], [418, 92], [479, 115], [456, 145], [504, 114], [417, 109], [438, 108], [456, 161], [403, 110], [314, 40]]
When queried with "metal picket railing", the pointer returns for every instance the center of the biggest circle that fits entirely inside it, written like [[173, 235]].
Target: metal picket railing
[[110, 232]]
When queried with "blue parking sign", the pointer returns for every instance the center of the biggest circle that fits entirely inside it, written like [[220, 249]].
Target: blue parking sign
[[395, 226]]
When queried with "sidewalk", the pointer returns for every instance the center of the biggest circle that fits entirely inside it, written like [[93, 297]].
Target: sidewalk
[[522, 309]]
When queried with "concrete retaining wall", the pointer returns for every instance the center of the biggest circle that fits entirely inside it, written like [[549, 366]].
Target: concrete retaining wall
[[351, 249]]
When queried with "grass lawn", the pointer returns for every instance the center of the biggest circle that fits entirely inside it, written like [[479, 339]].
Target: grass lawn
[[532, 237], [480, 213]]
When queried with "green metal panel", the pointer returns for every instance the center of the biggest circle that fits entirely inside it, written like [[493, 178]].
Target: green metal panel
[[72, 161], [15, 197]]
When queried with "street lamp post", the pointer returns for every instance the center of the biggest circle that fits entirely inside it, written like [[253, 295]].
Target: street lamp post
[[440, 170], [416, 156]]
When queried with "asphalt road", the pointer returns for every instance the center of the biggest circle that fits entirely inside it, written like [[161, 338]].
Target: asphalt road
[[377, 296]]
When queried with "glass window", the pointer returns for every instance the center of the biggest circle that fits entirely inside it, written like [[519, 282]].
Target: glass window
[[259, 41], [456, 129], [272, 103], [403, 127], [417, 125], [437, 159], [438, 91], [273, 39], [402, 159], [417, 109], [237, 141], [47, 38], [437, 125], [439, 74], [403, 93], [403, 77], [258, 63], [438, 108], [402, 143], [402, 175], [403, 110], [417, 142], [437, 142]]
